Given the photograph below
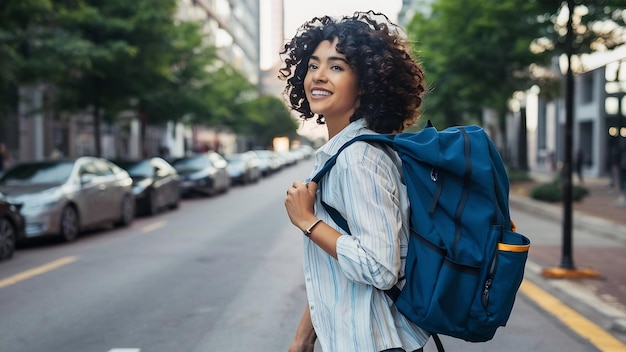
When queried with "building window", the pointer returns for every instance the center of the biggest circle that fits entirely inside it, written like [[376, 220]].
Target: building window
[[586, 89], [611, 105]]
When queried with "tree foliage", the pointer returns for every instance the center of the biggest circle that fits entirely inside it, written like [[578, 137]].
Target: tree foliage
[[477, 53], [598, 25], [185, 86], [122, 61], [110, 56], [474, 53], [268, 117], [21, 25]]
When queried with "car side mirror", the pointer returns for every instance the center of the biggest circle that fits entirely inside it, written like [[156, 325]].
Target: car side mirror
[[86, 178]]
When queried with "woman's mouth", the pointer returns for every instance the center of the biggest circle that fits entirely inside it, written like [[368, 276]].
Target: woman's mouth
[[320, 92]]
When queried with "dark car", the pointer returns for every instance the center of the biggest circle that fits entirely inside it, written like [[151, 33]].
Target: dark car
[[63, 197], [203, 174], [243, 168], [156, 184], [11, 228]]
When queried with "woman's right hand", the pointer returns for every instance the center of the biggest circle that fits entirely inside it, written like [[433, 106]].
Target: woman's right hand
[[297, 346], [300, 204]]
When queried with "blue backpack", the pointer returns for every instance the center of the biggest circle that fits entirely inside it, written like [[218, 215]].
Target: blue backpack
[[465, 261]]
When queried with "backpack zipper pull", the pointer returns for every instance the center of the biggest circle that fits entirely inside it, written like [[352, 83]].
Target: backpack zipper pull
[[487, 287]]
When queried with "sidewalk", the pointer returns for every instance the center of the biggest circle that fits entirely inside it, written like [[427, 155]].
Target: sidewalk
[[598, 242]]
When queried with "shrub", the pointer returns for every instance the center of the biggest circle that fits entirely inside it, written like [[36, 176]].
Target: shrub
[[552, 192], [518, 176]]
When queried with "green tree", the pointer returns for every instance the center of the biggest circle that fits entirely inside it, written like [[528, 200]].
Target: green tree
[[598, 25], [476, 53], [24, 49], [227, 95], [121, 57], [265, 118], [184, 90]]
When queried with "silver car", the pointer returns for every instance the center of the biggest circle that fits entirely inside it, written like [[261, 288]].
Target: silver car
[[64, 197]]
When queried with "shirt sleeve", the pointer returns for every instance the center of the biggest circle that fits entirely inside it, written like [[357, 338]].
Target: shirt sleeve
[[369, 197]]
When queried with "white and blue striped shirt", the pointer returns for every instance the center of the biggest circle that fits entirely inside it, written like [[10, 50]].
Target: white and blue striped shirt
[[349, 308]]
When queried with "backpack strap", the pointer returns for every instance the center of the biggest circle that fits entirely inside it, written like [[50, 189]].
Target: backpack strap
[[381, 138], [395, 291], [337, 218], [438, 343], [385, 139]]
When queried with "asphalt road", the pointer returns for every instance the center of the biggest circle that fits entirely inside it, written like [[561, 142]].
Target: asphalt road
[[219, 274]]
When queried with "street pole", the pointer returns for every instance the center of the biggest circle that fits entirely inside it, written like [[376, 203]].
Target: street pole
[[567, 269], [523, 137], [567, 260]]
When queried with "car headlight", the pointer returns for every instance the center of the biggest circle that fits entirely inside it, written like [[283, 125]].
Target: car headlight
[[41, 202]]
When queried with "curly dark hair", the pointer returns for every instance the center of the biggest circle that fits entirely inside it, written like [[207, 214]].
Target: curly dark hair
[[391, 81]]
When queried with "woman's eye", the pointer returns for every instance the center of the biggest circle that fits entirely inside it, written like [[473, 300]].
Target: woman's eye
[[337, 68], [312, 66]]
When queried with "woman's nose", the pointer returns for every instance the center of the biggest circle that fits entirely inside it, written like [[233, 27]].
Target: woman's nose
[[319, 75]]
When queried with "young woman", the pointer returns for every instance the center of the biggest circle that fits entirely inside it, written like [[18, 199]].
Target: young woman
[[357, 75]]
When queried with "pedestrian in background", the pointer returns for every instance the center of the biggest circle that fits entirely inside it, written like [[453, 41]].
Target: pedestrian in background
[[621, 179], [5, 158], [580, 163], [613, 162], [356, 74]]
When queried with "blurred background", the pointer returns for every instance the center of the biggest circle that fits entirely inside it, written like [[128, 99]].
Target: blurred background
[[169, 77]]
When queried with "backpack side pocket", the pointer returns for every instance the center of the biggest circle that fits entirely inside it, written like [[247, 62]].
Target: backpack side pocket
[[494, 302]]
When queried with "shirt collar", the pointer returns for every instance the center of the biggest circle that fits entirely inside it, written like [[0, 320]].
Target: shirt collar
[[354, 129]]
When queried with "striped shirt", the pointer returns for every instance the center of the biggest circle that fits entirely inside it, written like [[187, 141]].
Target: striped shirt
[[349, 310]]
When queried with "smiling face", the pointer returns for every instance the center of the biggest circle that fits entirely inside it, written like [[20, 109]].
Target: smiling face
[[331, 85]]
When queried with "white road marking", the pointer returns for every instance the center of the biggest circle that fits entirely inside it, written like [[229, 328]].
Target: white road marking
[[150, 228]]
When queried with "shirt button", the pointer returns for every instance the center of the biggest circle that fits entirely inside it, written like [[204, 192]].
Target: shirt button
[[312, 307]]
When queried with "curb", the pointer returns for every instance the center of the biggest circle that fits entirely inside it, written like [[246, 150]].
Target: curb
[[579, 297], [574, 292], [601, 227]]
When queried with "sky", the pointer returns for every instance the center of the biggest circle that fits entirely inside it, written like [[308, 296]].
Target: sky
[[299, 11]]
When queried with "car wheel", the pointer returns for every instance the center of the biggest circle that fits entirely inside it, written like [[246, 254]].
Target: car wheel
[[69, 224], [7, 239], [153, 207], [127, 212]]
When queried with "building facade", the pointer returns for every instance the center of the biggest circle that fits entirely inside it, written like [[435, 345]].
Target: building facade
[[599, 118]]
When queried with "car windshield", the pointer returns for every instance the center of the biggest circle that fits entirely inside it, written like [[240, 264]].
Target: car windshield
[[38, 173], [138, 168], [198, 162], [235, 159]]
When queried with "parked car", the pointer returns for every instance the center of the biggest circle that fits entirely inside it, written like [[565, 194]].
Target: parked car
[[203, 173], [270, 162], [64, 197], [243, 168], [156, 184], [11, 228]]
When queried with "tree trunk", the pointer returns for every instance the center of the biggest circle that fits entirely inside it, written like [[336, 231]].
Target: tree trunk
[[97, 135]]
